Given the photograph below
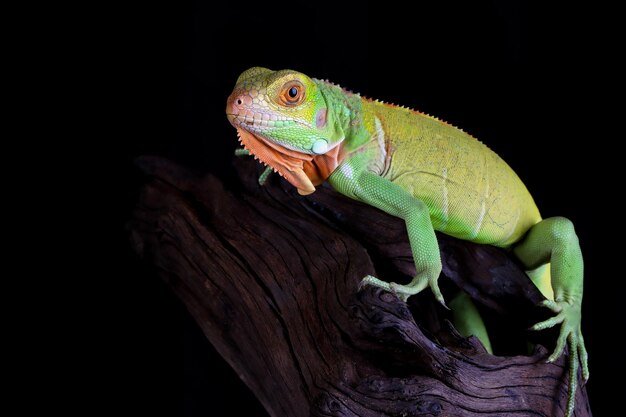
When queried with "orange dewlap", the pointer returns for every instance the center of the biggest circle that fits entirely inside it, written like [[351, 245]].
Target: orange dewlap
[[302, 170]]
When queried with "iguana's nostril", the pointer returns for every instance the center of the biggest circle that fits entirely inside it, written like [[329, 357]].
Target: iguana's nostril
[[238, 101]]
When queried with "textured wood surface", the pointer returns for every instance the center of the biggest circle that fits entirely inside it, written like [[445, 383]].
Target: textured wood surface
[[272, 278]]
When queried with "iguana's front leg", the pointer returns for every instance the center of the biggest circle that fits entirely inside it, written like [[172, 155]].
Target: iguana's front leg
[[378, 192], [554, 240]]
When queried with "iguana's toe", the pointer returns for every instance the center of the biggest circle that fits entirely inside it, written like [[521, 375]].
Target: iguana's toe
[[582, 356], [552, 305], [418, 285], [568, 315], [434, 287], [375, 282], [265, 175], [405, 291]]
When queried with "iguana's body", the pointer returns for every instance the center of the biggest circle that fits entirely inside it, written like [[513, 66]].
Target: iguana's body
[[408, 164], [470, 192]]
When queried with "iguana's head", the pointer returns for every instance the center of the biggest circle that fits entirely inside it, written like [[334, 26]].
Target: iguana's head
[[283, 119]]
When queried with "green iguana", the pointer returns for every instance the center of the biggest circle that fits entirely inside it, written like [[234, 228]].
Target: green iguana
[[421, 169]]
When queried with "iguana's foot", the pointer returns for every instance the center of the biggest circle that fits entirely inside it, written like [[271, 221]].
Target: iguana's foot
[[568, 315], [264, 175], [405, 291]]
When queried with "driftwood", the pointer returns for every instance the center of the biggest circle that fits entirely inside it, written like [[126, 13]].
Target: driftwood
[[273, 279]]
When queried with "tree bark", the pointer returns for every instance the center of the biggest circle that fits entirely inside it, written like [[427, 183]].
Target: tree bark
[[272, 278]]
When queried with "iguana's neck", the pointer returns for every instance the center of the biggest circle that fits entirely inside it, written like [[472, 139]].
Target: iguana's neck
[[347, 109]]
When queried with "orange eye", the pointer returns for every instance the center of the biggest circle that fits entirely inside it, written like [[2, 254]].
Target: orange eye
[[292, 94]]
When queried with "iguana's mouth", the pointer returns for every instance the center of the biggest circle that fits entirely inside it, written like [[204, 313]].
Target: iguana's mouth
[[259, 120], [288, 163]]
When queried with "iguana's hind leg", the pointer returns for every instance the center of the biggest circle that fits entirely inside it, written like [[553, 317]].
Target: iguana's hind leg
[[264, 175], [467, 320], [554, 240]]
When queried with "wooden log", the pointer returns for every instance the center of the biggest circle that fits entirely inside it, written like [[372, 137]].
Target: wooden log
[[272, 278]]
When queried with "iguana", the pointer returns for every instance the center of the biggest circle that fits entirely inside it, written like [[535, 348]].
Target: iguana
[[421, 169]]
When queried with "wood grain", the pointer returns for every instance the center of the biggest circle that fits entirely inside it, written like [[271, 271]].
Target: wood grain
[[272, 278]]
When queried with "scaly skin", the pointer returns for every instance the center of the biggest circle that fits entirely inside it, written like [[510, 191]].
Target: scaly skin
[[418, 168]]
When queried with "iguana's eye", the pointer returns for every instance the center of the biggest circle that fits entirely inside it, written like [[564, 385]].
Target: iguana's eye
[[292, 93]]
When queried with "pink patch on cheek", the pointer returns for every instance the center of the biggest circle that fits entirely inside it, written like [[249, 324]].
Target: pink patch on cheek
[[320, 119]]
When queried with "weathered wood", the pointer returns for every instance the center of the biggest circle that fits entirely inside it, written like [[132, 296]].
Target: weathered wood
[[273, 279]]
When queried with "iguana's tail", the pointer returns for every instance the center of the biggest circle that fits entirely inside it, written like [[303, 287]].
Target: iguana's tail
[[541, 278]]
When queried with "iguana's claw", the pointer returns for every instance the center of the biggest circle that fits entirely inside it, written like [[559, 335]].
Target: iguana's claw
[[405, 291], [568, 315]]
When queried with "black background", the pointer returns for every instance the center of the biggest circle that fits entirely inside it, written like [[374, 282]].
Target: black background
[[523, 79]]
